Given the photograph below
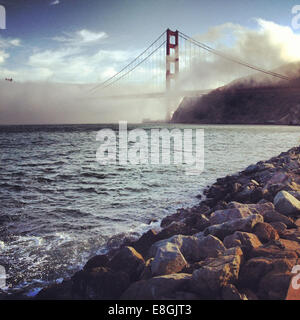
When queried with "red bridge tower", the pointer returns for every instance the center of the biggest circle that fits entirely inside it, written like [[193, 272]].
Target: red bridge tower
[[172, 58]]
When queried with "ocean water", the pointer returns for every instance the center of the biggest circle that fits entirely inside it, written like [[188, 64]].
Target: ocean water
[[59, 206]]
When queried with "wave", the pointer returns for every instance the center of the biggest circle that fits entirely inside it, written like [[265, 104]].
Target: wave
[[94, 175]]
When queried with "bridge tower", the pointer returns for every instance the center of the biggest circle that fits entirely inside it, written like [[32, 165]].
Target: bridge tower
[[172, 66]]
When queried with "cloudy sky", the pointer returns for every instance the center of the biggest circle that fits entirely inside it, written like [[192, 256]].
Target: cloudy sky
[[85, 41]]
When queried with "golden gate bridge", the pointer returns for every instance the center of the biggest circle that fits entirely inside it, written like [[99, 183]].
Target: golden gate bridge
[[162, 69]]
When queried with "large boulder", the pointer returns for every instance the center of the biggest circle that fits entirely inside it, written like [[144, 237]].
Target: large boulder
[[265, 232], [257, 208], [99, 283], [274, 216], [176, 227], [243, 224], [214, 274], [128, 260], [253, 270], [286, 204], [57, 291], [143, 244], [222, 216], [280, 227], [193, 248], [242, 239], [200, 221], [209, 246], [274, 286], [186, 244], [96, 261], [273, 252], [158, 288], [168, 259]]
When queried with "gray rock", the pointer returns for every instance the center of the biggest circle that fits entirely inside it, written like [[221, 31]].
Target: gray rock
[[168, 259], [227, 228], [286, 204], [222, 216], [192, 248], [257, 208]]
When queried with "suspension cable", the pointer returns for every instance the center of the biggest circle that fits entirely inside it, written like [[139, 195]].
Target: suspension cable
[[230, 58], [128, 65]]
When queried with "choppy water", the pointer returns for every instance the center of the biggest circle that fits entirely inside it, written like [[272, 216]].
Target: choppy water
[[58, 206]]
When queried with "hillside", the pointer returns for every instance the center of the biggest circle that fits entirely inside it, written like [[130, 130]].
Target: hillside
[[252, 100]]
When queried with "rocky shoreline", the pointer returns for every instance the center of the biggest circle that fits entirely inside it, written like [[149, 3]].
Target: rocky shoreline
[[240, 243]]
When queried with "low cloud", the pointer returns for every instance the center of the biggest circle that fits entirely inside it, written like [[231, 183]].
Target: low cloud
[[53, 103], [269, 46]]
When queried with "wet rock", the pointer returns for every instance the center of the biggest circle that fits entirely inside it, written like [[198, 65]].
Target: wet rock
[[57, 291], [143, 244], [96, 261], [128, 260], [168, 259], [215, 274], [242, 239], [99, 283], [158, 288], [230, 292], [258, 167], [286, 204], [265, 232], [176, 228], [202, 222], [227, 228]]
